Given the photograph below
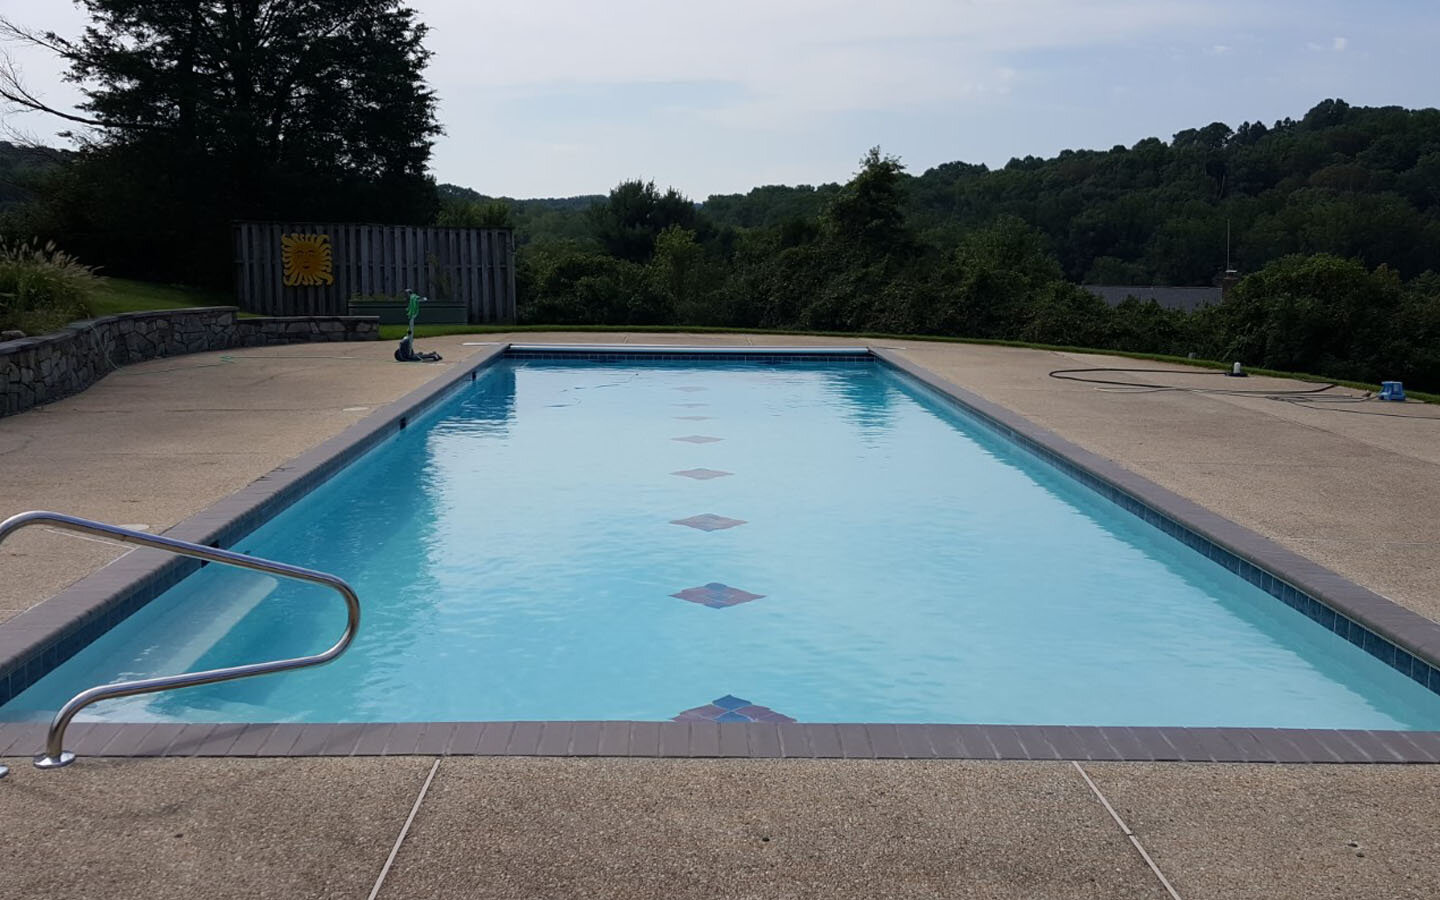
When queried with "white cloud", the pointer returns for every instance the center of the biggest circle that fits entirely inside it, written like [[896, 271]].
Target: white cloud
[[545, 97], [793, 67], [805, 55], [1336, 45]]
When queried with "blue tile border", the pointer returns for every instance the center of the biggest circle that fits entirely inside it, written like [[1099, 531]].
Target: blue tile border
[[758, 359], [1412, 644], [758, 355]]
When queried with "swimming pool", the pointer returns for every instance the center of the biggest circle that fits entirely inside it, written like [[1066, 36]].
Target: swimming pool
[[636, 539]]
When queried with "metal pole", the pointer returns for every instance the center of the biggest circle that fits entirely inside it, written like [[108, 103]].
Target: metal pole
[[55, 755]]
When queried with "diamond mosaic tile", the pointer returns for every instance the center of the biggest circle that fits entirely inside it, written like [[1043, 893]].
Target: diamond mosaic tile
[[731, 709], [702, 474], [708, 522], [698, 439], [716, 595]]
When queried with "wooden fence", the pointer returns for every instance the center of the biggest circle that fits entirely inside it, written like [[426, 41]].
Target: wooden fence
[[293, 269]]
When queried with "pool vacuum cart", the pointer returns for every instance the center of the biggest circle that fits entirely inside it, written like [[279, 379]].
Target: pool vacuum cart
[[406, 351]]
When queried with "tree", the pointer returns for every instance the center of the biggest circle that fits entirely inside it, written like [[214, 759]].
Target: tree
[[678, 272], [868, 215], [203, 111], [1314, 314], [628, 221], [456, 213]]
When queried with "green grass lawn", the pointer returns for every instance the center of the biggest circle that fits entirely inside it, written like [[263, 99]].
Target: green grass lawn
[[118, 295], [122, 295]]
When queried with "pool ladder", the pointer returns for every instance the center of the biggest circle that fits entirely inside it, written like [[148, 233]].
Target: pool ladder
[[55, 754]]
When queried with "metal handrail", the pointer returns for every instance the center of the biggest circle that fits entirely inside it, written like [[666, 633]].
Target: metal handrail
[[55, 755]]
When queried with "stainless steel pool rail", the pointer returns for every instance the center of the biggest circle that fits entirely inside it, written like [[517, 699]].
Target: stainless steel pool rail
[[55, 755]]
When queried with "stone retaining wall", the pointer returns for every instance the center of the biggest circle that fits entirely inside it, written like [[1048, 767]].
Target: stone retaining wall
[[36, 370]]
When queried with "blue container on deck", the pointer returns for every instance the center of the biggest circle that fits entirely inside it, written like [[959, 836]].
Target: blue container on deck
[[1392, 390]]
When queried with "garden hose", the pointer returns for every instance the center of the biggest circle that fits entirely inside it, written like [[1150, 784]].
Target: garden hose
[[1076, 375], [1306, 398]]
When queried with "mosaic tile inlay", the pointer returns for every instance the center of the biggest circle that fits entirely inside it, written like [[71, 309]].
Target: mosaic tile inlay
[[702, 474], [716, 595], [698, 439], [708, 521], [730, 708]]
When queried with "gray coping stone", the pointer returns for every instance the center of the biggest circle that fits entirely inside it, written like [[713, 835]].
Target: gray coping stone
[[279, 741], [737, 739], [404, 738], [704, 739], [885, 742], [130, 739], [764, 740], [436, 739], [614, 739], [220, 740], [554, 739], [824, 741], [372, 741], [854, 742], [645, 739], [342, 739], [794, 740], [733, 739], [466, 738], [494, 738], [249, 743], [915, 741], [189, 738], [585, 739], [525, 739]]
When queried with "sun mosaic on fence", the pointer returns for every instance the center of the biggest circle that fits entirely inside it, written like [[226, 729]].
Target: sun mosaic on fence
[[306, 258]]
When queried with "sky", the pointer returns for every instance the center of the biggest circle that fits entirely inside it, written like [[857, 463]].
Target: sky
[[552, 98]]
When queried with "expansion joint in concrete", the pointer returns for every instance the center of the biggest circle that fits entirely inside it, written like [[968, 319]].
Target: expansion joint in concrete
[[404, 830], [1125, 829]]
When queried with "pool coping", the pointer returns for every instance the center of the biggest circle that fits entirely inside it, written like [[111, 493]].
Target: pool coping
[[735, 739], [42, 637]]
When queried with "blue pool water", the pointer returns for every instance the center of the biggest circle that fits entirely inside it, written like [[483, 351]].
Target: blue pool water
[[515, 554]]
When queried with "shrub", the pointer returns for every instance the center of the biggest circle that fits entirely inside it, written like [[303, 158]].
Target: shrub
[[42, 287]]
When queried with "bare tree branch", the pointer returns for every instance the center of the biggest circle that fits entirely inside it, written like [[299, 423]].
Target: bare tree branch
[[21, 138], [14, 92], [12, 32]]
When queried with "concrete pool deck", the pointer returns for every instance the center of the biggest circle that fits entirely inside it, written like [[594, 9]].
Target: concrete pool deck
[[159, 441]]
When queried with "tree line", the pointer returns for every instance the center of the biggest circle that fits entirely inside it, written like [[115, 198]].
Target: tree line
[[197, 114], [1332, 219]]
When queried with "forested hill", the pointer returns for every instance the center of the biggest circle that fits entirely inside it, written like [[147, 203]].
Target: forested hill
[[22, 167], [1354, 181], [545, 218]]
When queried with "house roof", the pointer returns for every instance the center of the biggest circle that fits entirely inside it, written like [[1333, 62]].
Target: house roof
[[1186, 298]]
